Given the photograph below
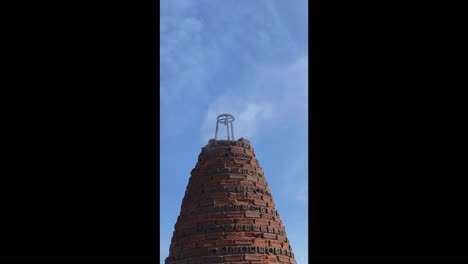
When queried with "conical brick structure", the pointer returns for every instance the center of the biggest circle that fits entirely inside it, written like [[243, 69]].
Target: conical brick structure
[[228, 214]]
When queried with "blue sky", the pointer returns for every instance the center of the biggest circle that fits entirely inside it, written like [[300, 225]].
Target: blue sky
[[248, 58]]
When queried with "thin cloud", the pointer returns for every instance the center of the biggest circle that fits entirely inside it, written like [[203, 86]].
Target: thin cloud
[[248, 116], [272, 94]]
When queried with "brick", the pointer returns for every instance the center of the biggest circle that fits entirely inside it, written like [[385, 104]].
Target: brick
[[224, 221], [243, 242], [253, 257], [218, 196], [260, 203], [261, 184], [252, 178], [236, 195], [244, 221], [176, 249], [260, 221], [198, 237], [252, 214], [269, 236], [281, 238], [266, 216], [237, 176], [217, 235], [215, 215], [234, 214], [224, 242], [276, 244], [206, 243], [272, 258], [213, 259], [261, 242], [274, 223], [235, 258], [222, 201], [252, 196], [207, 202], [229, 182], [216, 180], [203, 220], [252, 234], [189, 245], [234, 235]]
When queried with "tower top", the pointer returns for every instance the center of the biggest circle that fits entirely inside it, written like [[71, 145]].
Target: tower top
[[225, 119], [228, 214]]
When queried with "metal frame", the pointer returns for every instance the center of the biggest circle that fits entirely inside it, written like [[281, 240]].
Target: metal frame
[[225, 119]]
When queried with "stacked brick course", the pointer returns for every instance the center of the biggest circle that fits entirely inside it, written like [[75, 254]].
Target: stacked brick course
[[228, 214]]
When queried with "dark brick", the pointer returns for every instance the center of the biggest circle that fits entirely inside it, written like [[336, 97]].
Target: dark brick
[[217, 235], [213, 259], [244, 221], [224, 242]]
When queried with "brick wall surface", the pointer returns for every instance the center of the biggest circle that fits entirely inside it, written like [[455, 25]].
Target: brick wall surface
[[228, 214]]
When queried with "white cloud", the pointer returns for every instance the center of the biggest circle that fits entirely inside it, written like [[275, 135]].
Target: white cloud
[[196, 48], [274, 93], [288, 85], [248, 114], [182, 56]]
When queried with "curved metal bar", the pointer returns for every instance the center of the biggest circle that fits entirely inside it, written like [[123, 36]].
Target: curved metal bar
[[227, 120]]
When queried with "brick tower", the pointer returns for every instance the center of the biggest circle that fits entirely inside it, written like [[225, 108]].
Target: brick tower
[[228, 214]]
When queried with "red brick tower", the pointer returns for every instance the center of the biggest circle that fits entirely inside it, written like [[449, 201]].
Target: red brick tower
[[227, 214]]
